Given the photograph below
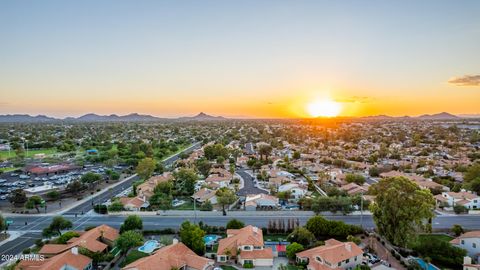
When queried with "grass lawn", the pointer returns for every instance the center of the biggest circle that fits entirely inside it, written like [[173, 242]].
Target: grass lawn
[[31, 153], [133, 256], [434, 237], [292, 267], [188, 205], [9, 169]]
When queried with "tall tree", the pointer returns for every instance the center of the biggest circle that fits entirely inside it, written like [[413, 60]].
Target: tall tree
[[131, 223], [34, 202], [185, 181], [192, 236], [145, 168], [401, 209], [128, 240], [18, 197], [225, 197]]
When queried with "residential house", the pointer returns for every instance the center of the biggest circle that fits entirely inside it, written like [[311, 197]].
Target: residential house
[[145, 190], [296, 191], [261, 202], [469, 265], [470, 241], [466, 198], [174, 256], [333, 255], [245, 246], [98, 239], [68, 260], [134, 203], [353, 188], [204, 195]]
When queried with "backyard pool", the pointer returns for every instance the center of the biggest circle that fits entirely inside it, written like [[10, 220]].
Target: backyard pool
[[210, 239], [423, 264], [149, 246]]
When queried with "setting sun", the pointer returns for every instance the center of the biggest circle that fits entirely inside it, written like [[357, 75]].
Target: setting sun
[[324, 108]]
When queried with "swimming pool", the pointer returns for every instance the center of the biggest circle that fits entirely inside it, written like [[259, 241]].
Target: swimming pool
[[149, 246], [422, 264], [210, 239]]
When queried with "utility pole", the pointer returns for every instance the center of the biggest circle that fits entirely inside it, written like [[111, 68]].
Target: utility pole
[[195, 211], [361, 211]]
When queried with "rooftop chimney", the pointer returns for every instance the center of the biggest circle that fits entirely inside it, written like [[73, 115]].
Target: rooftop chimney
[[175, 241], [348, 247], [467, 260], [74, 250]]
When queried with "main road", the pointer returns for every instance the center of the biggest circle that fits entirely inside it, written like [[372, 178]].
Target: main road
[[103, 197], [33, 224]]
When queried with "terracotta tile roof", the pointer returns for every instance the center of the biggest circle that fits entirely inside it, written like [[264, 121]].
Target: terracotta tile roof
[[78, 261], [333, 252], [472, 234], [176, 255], [135, 201], [89, 240], [203, 194], [248, 235], [265, 253]]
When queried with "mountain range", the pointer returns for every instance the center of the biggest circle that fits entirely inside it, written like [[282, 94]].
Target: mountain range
[[91, 117], [135, 117]]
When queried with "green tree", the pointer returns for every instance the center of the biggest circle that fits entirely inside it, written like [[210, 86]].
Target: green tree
[[203, 166], [3, 224], [206, 206], [355, 178], [75, 187], [192, 236], [66, 236], [116, 206], [457, 229], [302, 236], [145, 168], [58, 224], [460, 209], [265, 150], [131, 223], [34, 202], [472, 172], [185, 180], [401, 209], [296, 155], [128, 240], [18, 197], [225, 197], [161, 201], [90, 178], [235, 224], [164, 187], [53, 195], [293, 249]]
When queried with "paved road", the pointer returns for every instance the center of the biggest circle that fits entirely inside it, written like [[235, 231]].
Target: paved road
[[88, 205], [18, 245], [249, 185], [156, 222], [35, 224]]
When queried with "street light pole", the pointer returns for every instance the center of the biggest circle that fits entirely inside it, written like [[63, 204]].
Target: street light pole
[[195, 211], [361, 210]]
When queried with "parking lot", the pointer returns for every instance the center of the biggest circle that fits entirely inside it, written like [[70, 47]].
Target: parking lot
[[20, 180]]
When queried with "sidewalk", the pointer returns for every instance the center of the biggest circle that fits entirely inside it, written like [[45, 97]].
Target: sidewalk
[[191, 213], [73, 205]]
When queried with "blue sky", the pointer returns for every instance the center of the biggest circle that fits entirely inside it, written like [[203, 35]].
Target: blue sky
[[252, 58]]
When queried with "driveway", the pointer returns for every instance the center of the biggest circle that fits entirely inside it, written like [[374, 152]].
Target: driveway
[[249, 185]]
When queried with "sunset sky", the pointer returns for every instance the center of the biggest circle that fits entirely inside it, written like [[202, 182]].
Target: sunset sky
[[239, 58]]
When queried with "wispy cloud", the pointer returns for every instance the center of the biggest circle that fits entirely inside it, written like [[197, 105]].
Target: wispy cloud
[[355, 99], [466, 80]]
